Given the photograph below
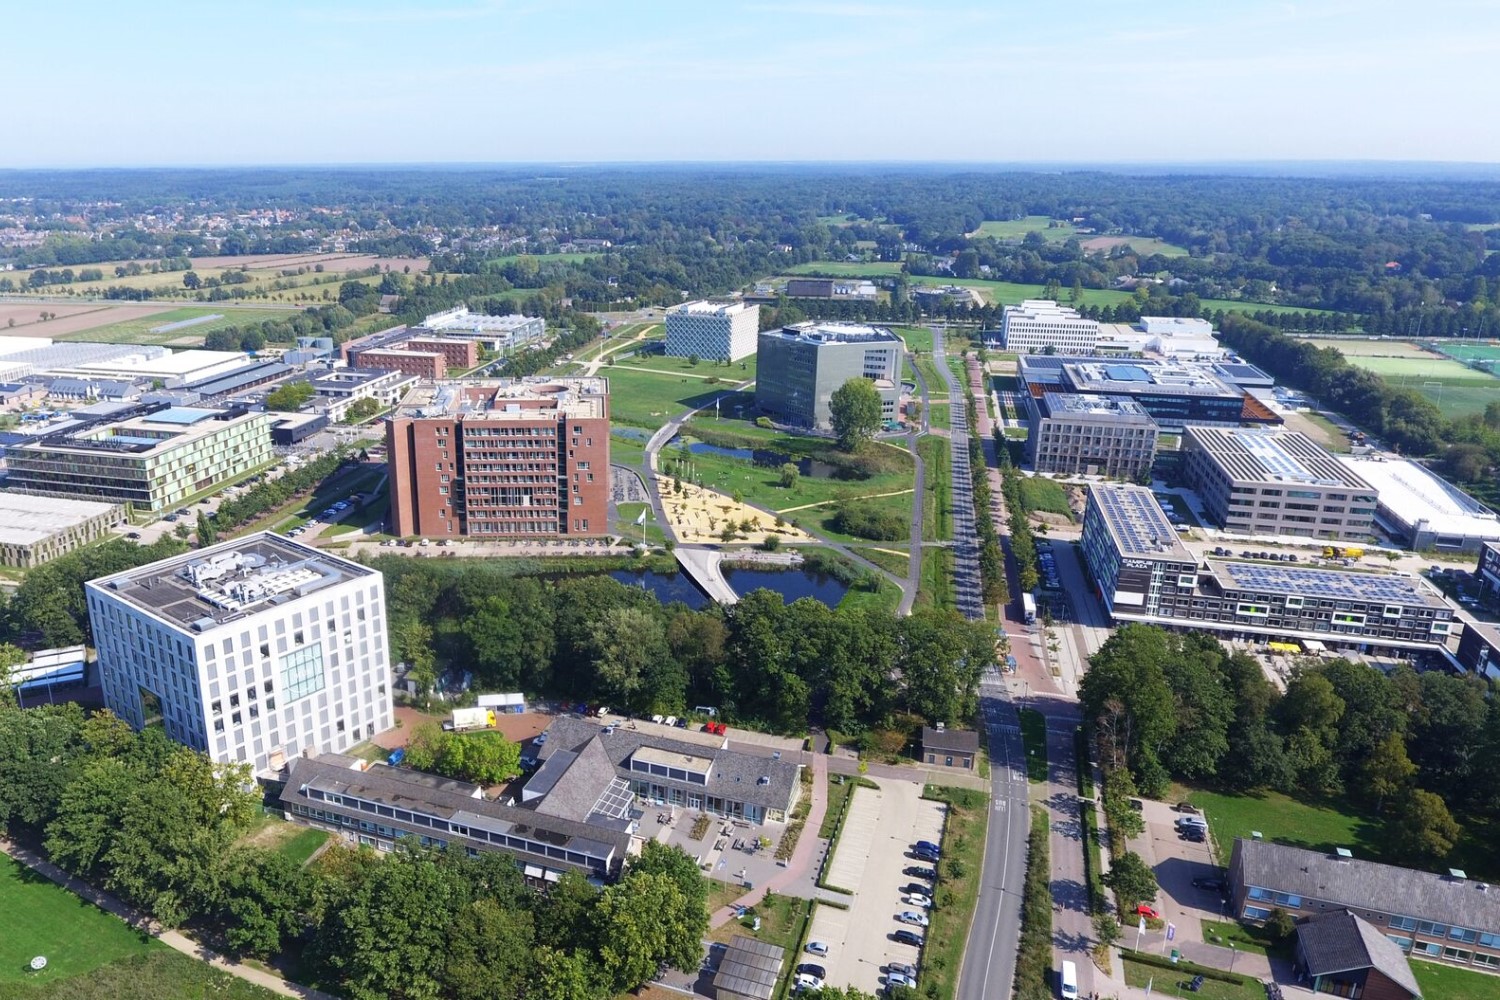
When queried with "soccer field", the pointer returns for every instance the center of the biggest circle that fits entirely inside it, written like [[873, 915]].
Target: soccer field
[[1471, 351]]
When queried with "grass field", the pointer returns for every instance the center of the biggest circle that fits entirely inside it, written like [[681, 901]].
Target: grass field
[[937, 502], [1313, 825], [1038, 493], [140, 331], [1166, 982], [935, 586], [1015, 229], [849, 269], [44, 919], [885, 556], [160, 974], [650, 394], [1445, 982], [304, 845], [1360, 347]]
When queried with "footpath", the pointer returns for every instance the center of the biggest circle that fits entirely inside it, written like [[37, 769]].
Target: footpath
[[175, 940]]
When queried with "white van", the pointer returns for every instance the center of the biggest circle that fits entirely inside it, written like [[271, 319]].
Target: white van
[[1067, 982]]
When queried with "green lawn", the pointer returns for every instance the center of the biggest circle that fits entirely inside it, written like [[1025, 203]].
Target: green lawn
[[918, 338], [1446, 982], [650, 399], [160, 974], [1244, 936], [626, 450], [1034, 737], [139, 331], [937, 503], [935, 587], [1038, 493], [1337, 440], [842, 269], [1015, 229], [1166, 982], [1313, 825], [885, 557], [957, 888], [304, 845], [44, 919]]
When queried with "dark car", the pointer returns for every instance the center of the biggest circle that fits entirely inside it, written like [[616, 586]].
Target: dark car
[[1193, 833], [917, 871], [810, 969], [907, 937], [1211, 884], [922, 854]]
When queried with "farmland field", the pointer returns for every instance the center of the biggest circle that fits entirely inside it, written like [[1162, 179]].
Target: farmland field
[[140, 329]]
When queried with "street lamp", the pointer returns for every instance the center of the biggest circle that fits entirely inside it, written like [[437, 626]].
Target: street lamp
[[1233, 952]]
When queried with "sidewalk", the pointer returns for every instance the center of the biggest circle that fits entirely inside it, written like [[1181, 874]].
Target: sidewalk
[[807, 845], [172, 939]]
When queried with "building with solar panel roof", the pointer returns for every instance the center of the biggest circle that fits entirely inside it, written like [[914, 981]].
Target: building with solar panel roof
[[1143, 573], [1262, 481]]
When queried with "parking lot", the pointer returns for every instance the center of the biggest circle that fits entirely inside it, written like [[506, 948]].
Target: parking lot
[[1177, 861], [872, 852]]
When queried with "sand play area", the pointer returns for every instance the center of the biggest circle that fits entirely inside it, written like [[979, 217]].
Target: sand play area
[[699, 516]]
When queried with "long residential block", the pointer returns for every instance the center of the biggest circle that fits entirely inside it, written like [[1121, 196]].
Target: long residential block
[[1143, 573], [1262, 481], [151, 456]]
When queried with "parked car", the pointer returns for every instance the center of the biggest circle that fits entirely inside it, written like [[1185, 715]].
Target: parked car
[[925, 855], [918, 899], [902, 969], [817, 948], [811, 969], [900, 979], [1147, 910], [133, 535], [1187, 807], [912, 917], [1211, 884], [806, 982], [917, 871], [907, 937]]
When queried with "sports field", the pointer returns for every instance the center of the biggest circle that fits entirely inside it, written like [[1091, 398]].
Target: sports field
[[1470, 351], [1457, 389], [1052, 230]]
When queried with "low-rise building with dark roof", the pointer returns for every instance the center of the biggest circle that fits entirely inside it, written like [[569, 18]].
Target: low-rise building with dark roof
[[957, 748], [1450, 917], [749, 970], [379, 805], [1343, 955], [664, 771]]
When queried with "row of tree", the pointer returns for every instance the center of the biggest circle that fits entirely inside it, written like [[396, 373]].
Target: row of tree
[[1409, 747]]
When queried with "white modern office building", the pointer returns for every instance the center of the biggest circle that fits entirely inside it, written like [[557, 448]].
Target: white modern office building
[[257, 650], [1038, 324], [714, 331]]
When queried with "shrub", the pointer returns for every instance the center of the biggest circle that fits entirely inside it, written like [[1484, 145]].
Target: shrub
[[868, 521]]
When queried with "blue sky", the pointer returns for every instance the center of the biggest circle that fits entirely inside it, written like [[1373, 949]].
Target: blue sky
[[329, 81]]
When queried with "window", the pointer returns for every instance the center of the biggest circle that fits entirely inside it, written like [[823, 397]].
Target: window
[[302, 672], [1256, 913]]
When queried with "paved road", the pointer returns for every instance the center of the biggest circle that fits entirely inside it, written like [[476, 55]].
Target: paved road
[[1072, 924], [968, 587], [989, 966]]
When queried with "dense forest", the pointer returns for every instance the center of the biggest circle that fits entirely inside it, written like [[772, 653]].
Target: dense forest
[[1361, 245], [1408, 748]]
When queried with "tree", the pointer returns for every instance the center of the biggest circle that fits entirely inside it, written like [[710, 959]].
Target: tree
[[190, 280], [206, 533], [289, 398], [1132, 880], [1281, 925], [854, 410], [644, 921], [789, 475], [1420, 828], [361, 409], [1388, 770], [261, 898], [489, 952]]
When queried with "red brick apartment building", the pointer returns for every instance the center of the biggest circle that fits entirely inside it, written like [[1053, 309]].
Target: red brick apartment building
[[500, 458], [457, 353], [422, 364]]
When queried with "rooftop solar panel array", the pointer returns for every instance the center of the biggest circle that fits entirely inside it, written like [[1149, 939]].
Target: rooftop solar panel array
[[1135, 520], [1325, 583]]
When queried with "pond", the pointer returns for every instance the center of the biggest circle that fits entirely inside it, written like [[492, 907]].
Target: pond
[[791, 584], [762, 457]]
